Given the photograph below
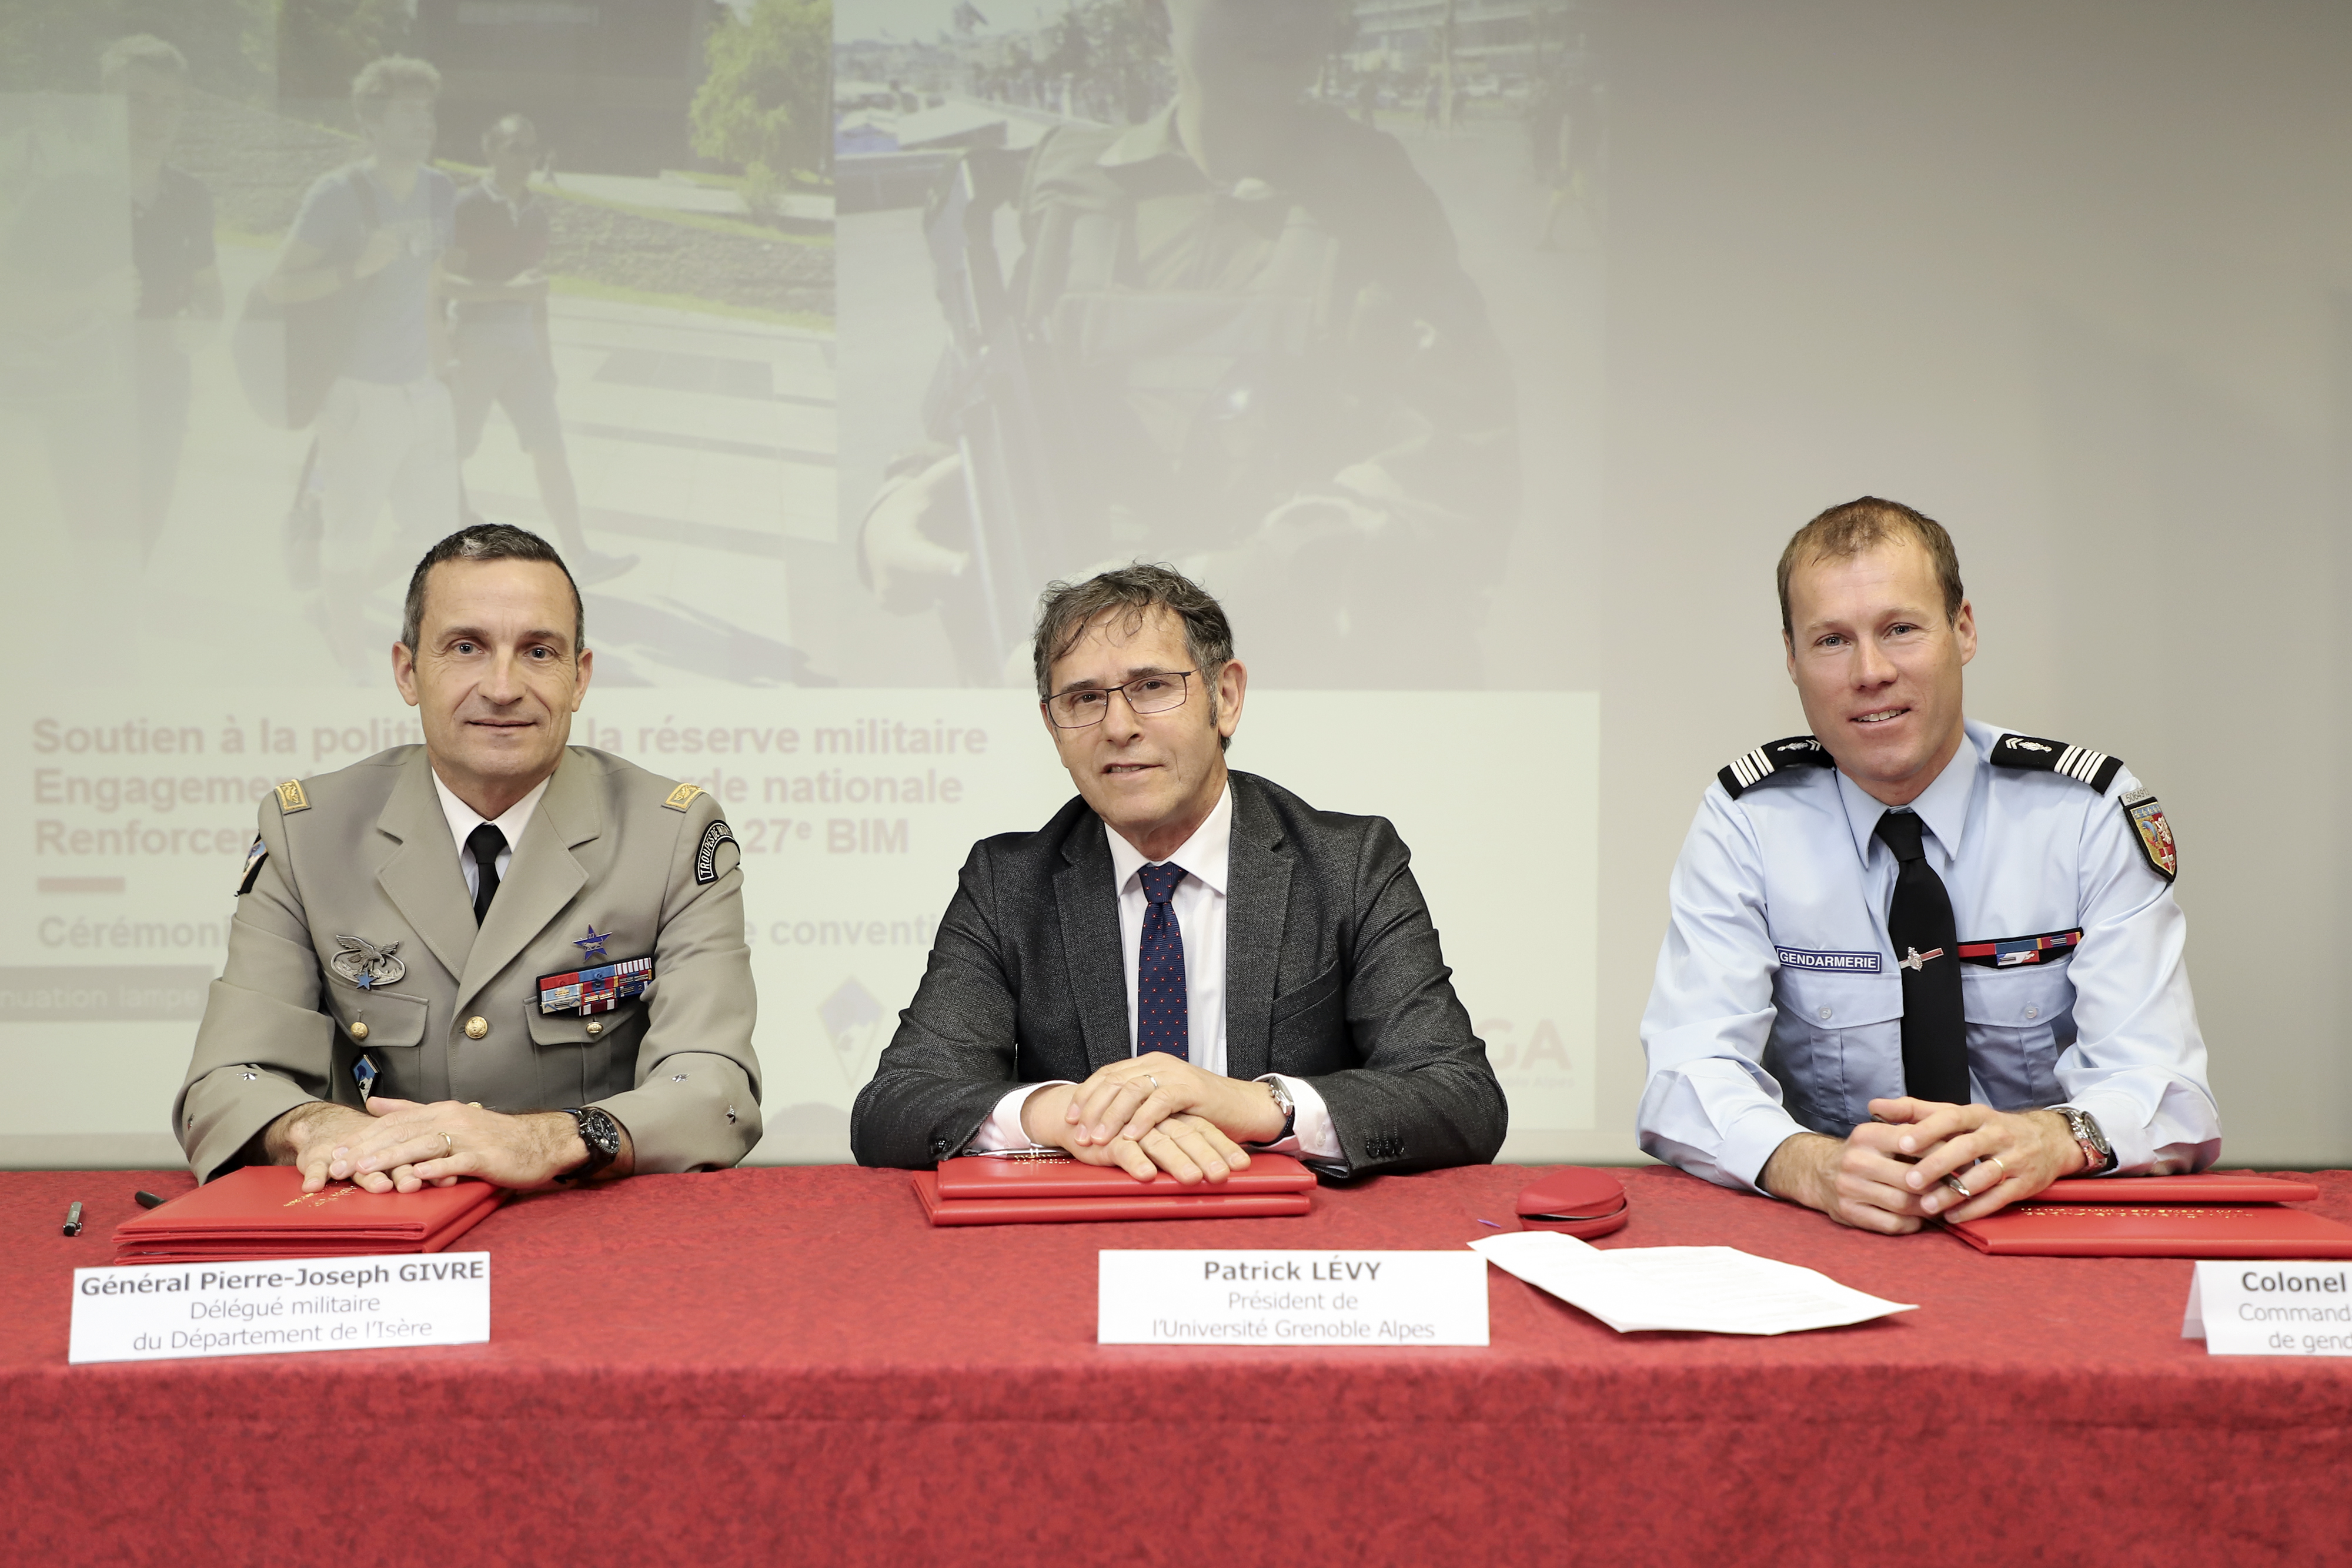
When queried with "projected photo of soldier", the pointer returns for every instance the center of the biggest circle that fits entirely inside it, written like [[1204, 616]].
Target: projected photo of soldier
[[1235, 337], [96, 313]]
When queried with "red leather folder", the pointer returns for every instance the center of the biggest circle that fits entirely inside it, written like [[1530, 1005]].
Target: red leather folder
[[262, 1212], [2206, 1186], [2159, 1229], [981, 1191]]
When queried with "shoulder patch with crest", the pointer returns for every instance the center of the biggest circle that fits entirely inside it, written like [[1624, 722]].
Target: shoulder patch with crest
[[706, 854], [2146, 819], [682, 796], [2080, 763], [290, 798], [253, 859], [1750, 769]]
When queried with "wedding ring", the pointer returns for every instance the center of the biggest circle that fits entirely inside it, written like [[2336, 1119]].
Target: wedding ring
[[1153, 1081], [2004, 1169], [1955, 1183], [449, 1145]]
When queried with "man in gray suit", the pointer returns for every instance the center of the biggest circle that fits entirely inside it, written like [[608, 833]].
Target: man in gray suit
[[491, 955], [1186, 963]]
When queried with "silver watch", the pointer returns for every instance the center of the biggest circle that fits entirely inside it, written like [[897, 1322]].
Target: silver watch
[[1283, 1104], [2099, 1155]]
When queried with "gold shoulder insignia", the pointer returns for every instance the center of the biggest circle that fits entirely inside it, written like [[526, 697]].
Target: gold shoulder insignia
[[680, 797], [290, 798]]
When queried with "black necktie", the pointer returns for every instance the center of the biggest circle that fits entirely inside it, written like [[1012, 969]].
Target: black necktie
[[484, 844], [1161, 1006], [1926, 949]]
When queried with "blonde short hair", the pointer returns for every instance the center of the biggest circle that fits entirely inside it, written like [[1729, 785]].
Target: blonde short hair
[[1845, 531]]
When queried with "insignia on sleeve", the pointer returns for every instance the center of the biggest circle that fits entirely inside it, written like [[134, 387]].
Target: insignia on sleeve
[[290, 798], [253, 859], [2095, 769], [1750, 769], [2146, 819], [706, 854], [682, 796]]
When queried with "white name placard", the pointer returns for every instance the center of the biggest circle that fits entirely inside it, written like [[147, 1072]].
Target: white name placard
[[1294, 1299], [2271, 1308], [171, 1312]]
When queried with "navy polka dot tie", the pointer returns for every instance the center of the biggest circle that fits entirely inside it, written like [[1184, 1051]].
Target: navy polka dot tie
[[1159, 1008]]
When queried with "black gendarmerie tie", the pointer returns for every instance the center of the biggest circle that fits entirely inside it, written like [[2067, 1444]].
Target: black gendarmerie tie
[[1927, 951], [485, 842]]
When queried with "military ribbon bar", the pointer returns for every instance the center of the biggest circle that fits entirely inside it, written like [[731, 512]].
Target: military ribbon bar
[[2013, 952], [596, 990]]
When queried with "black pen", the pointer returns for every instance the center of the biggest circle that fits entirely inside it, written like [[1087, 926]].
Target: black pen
[[149, 1200], [73, 1220]]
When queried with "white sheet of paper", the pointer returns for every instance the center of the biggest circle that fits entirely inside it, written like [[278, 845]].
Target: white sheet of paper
[[1692, 1289]]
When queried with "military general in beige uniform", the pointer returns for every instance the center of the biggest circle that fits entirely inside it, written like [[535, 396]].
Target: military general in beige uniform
[[434, 968]]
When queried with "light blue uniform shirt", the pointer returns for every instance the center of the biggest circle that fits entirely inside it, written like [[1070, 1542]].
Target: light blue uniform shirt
[[1777, 1006]]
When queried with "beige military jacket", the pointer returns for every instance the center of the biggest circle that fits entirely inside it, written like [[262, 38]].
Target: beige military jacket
[[366, 853]]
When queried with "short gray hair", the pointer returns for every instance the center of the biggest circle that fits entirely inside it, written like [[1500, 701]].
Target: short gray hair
[[487, 541], [142, 49], [391, 76], [1132, 592]]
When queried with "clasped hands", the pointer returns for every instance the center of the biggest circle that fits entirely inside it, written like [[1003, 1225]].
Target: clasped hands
[[399, 1145], [1156, 1113], [1889, 1175]]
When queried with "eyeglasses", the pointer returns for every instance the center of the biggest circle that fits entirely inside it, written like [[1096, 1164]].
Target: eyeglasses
[[1145, 694]]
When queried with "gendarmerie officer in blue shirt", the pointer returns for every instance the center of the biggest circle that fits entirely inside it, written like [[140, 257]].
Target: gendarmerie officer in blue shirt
[[1916, 965]]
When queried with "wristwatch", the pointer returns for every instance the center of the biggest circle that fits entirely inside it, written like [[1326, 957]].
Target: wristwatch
[[1283, 1103], [2099, 1155], [603, 1137]]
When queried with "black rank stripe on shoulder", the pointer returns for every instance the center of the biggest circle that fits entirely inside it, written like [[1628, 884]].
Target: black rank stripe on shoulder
[[2095, 769], [1750, 769]]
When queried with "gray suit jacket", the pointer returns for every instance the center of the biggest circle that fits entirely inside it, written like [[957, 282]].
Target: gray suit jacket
[[366, 852], [1332, 974]]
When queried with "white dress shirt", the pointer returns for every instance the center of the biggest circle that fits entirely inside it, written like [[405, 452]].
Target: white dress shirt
[[464, 820], [1778, 1004], [1199, 906]]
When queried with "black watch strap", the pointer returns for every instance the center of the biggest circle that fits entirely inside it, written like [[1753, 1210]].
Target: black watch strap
[[603, 1137]]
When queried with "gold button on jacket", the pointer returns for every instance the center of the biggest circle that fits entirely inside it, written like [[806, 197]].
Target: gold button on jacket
[[366, 852]]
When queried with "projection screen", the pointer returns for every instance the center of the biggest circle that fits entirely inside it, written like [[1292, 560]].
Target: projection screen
[[1489, 461]]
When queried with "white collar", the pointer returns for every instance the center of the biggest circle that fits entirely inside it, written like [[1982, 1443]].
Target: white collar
[[1203, 856], [1943, 805], [464, 818]]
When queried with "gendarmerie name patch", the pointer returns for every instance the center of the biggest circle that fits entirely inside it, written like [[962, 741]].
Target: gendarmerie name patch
[[2095, 769], [2146, 819], [706, 854], [1750, 769], [2015, 952], [596, 990], [1830, 963]]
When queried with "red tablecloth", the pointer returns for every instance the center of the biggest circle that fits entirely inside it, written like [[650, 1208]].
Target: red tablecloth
[[788, 1365]]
